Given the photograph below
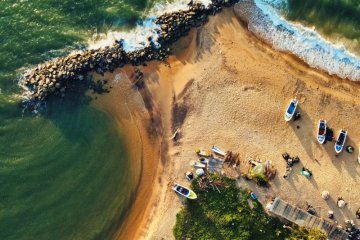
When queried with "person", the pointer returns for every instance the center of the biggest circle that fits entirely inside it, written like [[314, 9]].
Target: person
[[331, 214], [350, 149], [358, 213], [297, 116]]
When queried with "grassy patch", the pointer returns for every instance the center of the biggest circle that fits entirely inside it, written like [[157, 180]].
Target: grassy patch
[[227, 215]]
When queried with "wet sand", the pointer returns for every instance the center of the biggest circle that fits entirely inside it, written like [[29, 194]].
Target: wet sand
[[230, 89]]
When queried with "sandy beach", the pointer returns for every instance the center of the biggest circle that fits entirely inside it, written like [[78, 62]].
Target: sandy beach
[[224, 86]]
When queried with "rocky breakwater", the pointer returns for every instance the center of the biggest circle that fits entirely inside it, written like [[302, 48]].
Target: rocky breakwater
[[57, 76]]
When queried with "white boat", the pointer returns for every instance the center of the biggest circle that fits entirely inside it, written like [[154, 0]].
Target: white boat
[[290, 111], [218, 151], [359, 156], [197, 164], [339, 145], [183, 191], [321, 136]]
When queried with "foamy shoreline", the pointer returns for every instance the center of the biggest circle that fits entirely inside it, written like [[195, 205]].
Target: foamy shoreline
[[296, 39]]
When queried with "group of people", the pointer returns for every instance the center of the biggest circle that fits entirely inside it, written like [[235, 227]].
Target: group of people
[[290, 161]]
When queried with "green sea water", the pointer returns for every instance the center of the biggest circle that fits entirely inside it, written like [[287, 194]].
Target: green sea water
[[337, 19], [64, 173]]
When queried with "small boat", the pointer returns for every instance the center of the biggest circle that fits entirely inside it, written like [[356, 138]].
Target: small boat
[[197, 164], [253, 195], [218, 151], [321, 137], [359, 156], [339, 145], [203, 153], [290, 111], [183, 191]]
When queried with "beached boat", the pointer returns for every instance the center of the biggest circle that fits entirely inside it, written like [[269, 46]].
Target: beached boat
[[339, 145], [197, 164], [203, 153], [253, 195], [183, 191], [290, 111], [359, 156], [321, 136], [218, 151]]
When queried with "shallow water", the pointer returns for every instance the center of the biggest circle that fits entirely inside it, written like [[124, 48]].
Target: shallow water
[[64, 173]]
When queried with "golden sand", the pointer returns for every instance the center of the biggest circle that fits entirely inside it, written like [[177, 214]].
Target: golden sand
[[232, 90]]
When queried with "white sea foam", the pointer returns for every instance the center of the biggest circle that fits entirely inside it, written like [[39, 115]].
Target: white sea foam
[[265, 22], [137, 37]]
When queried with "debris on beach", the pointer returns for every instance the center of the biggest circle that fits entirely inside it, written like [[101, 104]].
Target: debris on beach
[[352, 230], [218, 151], [311, 210], [290, 161], [232, 158], [260, 172], [203, 153], [189, 176]]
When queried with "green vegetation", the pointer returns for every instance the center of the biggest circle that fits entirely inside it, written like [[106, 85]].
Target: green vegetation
[[303, 233], [260, 179], [227, 215]]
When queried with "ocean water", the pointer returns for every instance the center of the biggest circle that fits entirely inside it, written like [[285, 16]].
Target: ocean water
[[64, 173], [286, 25]]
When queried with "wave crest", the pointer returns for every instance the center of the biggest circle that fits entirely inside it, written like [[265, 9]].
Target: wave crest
[[304, 42], [138, 37]]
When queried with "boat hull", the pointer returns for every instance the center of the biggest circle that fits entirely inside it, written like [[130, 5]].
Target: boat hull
[[321, 137], [185, 192], [291, 109], [339, 146]]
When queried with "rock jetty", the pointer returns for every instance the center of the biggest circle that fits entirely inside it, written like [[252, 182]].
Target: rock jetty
[[56, 76]]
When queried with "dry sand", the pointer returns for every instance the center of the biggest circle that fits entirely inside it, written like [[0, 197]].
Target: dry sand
[[230, 89]]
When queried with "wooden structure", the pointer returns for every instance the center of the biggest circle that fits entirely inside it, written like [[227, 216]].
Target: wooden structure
[[302, 218]]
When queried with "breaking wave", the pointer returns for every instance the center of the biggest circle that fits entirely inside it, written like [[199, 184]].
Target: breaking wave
[[138, 37], [266, 22]]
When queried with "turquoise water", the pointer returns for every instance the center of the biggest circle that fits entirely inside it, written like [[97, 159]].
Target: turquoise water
[[64, 173]]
